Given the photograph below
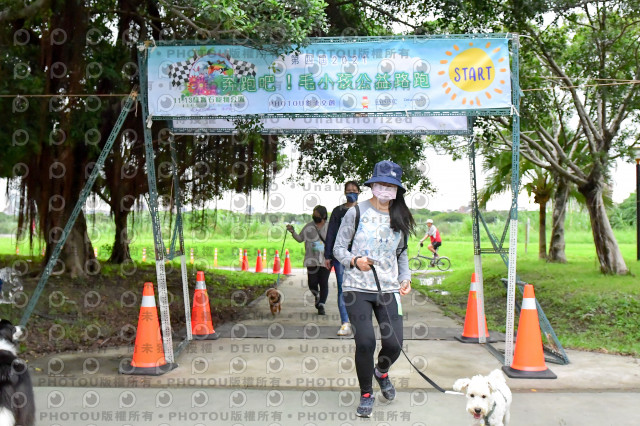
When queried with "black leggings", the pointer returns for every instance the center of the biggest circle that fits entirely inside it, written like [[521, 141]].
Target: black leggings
[[319, 277], [360, 306]]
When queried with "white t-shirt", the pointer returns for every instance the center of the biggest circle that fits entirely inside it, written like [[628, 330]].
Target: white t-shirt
[[376, 240]]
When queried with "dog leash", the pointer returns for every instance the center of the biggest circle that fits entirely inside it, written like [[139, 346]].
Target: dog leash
[[281, 253], [424, 376]]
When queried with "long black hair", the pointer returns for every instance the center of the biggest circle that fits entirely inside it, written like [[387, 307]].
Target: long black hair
[[401, 217]]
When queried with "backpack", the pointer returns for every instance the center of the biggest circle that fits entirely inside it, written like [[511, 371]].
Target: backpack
[[357, 222]]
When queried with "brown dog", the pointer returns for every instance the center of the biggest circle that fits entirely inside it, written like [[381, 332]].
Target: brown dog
[[275, 301]]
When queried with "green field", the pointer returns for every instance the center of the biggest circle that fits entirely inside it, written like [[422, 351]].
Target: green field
[[231, 232], [586, 309]]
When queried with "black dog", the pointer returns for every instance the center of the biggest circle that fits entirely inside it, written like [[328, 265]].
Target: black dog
[[17, 407]]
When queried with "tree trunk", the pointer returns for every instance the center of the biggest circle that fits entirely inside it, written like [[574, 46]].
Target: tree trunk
[[120, 251], [542, 233], [124, 167], [56, 198], [607, 250], [78, 250], [556, 245], [125, 182], [59, 168]]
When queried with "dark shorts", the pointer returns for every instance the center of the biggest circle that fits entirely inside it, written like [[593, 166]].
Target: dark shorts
[[436, 245]]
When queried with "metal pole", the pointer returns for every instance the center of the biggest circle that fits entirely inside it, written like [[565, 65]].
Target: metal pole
[[183, 261], [638, 207], [163, 298], [515, 187]]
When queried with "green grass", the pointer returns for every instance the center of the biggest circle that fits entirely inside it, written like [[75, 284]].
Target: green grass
[[586, 309], [67, 310]]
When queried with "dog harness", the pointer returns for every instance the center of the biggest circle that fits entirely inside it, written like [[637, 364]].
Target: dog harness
[[486, 418]]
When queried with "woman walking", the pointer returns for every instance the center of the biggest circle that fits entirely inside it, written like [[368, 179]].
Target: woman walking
[[375, 233], [351, 191], [314, 234]]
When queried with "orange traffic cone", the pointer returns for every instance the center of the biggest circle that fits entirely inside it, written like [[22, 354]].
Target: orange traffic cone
[[470, 333], [148, 352], [245, 261], [287, 263], [264, 259], [201, 324], [259, 262], [276, 263], [528, 359]]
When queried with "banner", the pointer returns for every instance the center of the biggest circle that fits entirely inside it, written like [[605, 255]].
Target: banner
[[378, 76], [451, 125]]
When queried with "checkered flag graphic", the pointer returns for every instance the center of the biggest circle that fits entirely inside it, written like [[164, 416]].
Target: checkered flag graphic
[[179, 72], [242, 68]]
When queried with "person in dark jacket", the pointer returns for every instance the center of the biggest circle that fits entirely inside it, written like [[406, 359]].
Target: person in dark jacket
[[351, 191]]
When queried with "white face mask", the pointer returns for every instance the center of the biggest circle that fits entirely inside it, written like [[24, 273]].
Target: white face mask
[[384, 193]]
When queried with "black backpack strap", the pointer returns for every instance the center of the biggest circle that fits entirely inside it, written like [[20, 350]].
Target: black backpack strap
[[357, 222], [404, 247]]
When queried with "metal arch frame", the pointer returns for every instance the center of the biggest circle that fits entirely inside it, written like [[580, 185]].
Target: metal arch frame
[[178, 232], [515, 177]]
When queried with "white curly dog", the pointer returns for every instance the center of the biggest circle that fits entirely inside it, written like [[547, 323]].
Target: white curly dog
[[488, 398]]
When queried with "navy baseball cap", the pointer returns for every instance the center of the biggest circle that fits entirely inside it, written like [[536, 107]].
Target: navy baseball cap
[[387, 172]]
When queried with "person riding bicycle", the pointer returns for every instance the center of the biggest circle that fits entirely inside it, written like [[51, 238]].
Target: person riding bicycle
[[436, 241]]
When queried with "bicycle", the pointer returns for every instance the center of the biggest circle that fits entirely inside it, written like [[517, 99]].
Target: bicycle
[[441, 262]]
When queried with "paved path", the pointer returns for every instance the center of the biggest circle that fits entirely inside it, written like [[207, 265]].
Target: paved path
[[250, 407], [294, 369]]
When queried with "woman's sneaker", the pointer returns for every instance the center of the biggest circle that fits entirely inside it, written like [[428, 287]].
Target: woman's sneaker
[[386, 387], [366, 405], [321, 309], [345, 329]]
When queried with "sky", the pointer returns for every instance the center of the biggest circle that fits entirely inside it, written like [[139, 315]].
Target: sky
[[451, 179]]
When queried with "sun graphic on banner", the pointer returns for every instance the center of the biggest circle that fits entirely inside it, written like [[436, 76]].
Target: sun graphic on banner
[[472, 73]]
